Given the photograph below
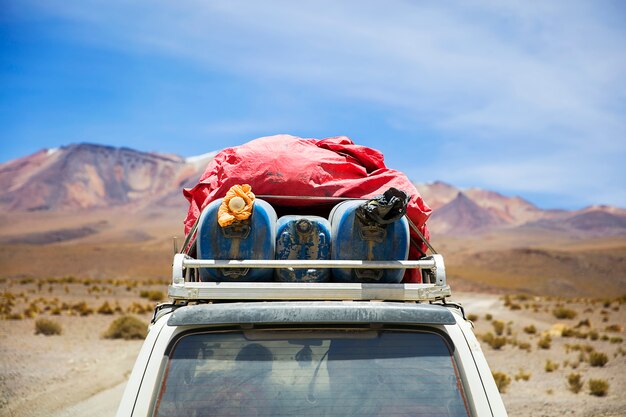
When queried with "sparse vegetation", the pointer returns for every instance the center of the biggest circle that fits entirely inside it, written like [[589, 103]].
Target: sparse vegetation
[[496, 342], [582, 323], [530, 329], [106, 308], [82, 309], [47, 327], [551, 366], [545, 342], [598, 359], [522, 375], [574, 382], [498, 327], [472, 317], [126, 327], [598, 387], [138, 308], [502, 381], [616, 328], [564, 313], [153, 295]]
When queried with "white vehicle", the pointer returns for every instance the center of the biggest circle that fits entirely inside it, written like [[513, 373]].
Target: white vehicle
[[310, 349]]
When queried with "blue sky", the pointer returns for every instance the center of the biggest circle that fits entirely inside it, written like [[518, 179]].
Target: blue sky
[[524, 98]]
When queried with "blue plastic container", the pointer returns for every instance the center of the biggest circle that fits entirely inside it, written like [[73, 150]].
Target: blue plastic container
[[254, 238], [303, 238], [352, 239]]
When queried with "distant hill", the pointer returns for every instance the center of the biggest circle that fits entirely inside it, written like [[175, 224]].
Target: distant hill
[[473, 210], [462, 216], [86, 176]]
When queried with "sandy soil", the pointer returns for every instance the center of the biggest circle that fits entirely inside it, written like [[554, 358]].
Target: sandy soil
[[44, 375], [546, 394], [79, 373]]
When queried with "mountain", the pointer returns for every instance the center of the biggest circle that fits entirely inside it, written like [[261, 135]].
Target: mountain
[[454, 215], [86, 176], [99, 212], [463, 216], [592, 221]]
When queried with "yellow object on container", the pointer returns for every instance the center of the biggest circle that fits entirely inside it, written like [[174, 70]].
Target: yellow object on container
[[237, 205]]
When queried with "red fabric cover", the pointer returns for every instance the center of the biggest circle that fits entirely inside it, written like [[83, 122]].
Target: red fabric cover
[[288, 165]]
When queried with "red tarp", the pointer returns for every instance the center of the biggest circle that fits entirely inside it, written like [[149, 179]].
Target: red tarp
[[291, 166]]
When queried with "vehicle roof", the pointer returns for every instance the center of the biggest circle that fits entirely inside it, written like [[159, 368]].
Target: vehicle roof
[[312, 312]]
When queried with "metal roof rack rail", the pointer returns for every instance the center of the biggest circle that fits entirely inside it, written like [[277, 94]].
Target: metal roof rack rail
[[185, 287]]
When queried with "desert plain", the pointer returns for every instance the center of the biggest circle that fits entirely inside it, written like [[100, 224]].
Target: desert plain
[[546, 348]]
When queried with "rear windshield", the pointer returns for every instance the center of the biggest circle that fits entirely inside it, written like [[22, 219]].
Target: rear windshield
[[311, 373]]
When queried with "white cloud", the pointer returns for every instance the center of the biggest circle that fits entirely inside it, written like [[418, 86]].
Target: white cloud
[[491, 74]]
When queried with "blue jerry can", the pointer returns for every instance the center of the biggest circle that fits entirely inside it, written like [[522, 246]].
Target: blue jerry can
[[355, 239], [254, 238], [303, 238]]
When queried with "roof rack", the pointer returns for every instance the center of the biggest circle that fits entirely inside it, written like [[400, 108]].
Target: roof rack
[[185, 287]]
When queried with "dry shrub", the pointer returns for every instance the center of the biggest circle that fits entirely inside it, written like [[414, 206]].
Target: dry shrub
[[582, 323], [106, 308], [488, 317], [574, 383], [564, 313], [502, 381], [82, 309], [8, 302], [577, 347], [570, 332], [545, 342], [522, 375], [598, 387], [598, 359], [47, 327], [524, 346], [616, 340], [127, 328], [472, 317], [551, 366], [498, 327], [530, 329], [614, 328], [138, 308], [496, 342], [153, 295]]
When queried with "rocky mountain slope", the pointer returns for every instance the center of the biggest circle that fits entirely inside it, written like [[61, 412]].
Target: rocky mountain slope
[[86, 176], [473, 210]]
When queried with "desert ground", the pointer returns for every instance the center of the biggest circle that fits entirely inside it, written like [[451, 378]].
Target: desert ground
[[81, 373], [516, 286]]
